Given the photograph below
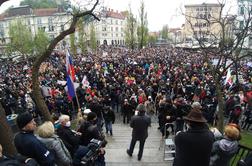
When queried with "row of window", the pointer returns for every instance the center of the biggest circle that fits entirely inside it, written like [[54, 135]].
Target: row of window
[[203, 9], [112, 29], [203, 16], [116, 22], [201, 25], [116, 35]]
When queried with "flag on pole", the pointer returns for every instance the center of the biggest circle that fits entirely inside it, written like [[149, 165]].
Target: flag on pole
[[70, 76], [85, 81], [229, 79], [69, 65]]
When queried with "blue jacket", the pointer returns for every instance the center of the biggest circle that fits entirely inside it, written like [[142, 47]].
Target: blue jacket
[[28, 145]]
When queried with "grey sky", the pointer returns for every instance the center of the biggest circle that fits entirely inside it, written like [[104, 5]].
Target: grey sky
[[160, 12]]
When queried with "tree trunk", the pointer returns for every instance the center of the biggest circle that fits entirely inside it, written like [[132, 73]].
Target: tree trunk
[[220, 122], [39, 100], [6, 134]]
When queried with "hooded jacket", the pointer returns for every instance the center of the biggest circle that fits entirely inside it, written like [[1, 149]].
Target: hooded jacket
[[55, 144], [222, 152]]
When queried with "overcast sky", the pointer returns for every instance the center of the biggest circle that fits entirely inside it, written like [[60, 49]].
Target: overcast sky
[[160, 12]]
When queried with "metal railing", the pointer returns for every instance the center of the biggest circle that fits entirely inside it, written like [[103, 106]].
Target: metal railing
[[242, 153]]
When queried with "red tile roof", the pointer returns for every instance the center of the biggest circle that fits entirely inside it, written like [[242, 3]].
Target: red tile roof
[[114, 14], [45, 12]]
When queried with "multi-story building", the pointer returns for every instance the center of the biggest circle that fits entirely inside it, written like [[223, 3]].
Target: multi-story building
[[110, 30], [200, 21], [175, 35], [244, 15]]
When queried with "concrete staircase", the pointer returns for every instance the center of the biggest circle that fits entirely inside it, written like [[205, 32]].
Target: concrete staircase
[[116, 155]]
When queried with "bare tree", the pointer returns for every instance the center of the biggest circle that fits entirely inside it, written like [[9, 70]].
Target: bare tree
[[76, 15], [225, 45]]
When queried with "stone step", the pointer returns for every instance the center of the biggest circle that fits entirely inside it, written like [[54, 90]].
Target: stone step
[[153, 154]]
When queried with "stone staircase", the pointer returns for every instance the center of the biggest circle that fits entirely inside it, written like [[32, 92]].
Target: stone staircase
[[116, 155]]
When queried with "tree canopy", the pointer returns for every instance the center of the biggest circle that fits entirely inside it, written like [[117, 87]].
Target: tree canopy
[[29, 45], [37, 4]]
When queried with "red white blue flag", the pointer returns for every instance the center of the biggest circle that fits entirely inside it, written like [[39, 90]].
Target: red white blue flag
[[70, 76]]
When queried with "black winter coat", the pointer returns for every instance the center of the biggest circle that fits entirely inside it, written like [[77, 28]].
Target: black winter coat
[[28, 145], [69, 138], [109, 116], [89, 131], [193, 147], [140, 124]]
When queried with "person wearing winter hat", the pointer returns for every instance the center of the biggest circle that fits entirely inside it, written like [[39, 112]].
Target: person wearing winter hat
[[193, 147], [28, 145]]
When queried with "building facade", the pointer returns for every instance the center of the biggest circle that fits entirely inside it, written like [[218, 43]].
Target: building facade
[[244, 15], [110, 30], [200, 21]]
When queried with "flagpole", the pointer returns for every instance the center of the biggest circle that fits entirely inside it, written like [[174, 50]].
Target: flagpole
[[71, 74]]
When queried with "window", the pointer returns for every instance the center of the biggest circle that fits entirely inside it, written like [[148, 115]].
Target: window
[[51, 37], [50, 21], [39, 21], [121, 34], [62, 27], [121, 29], [241, 24], [104, 29], [121, 22], [116, 29], [250, 41], [51, 28], [112, 29], [42, 28], [117, 35], [241, 10], [116, 22]]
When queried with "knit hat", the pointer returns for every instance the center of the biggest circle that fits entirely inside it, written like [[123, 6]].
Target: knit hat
[[23, 119], [91, 116]]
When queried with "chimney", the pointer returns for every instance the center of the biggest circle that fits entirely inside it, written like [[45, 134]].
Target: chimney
[[112, 10]]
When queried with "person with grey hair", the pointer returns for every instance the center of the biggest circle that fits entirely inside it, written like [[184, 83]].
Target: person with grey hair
[[68, 136], [46, 134], [140, 124]]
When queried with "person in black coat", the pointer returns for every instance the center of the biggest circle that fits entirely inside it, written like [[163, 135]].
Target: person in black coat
[[109, 118], [140, 124], [127, 110], [28, 145], [89, 130], [193, 147], [17, 160], [68, 136]]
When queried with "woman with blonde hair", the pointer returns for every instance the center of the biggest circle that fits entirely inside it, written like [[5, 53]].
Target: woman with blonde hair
[[223, 150], [46, 134]]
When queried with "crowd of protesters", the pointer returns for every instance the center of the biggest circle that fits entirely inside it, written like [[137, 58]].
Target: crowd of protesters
[[167, 81]]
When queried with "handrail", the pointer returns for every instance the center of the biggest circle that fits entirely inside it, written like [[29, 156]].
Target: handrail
[[242, 153]]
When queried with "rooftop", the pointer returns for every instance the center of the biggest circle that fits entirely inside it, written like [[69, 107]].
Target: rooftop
[[115, 14], [204, 5]]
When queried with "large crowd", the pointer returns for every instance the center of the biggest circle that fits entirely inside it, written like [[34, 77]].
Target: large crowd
[[168, 82]]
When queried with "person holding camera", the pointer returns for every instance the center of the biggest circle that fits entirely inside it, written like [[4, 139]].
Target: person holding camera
[[140, 124], [89, 131]]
